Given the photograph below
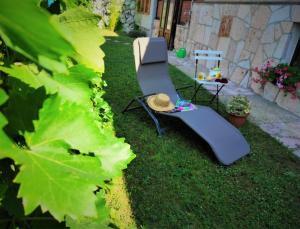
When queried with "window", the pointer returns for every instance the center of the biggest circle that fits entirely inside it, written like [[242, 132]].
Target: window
[[143, 6]]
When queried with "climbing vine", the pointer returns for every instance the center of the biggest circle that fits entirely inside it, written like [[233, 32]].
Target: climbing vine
[[58, 148]]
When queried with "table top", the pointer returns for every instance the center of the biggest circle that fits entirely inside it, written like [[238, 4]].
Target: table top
[[207, 82]]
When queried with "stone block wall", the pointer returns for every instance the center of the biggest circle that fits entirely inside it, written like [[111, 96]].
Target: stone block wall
[[256, 33]]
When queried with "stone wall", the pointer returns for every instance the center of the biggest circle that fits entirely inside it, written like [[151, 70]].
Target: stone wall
[[252, 35]]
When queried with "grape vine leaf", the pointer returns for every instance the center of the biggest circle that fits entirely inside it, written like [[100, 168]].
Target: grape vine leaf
[[49, 175], [73, 86], [33, 36], [3, 96], [79, 129], [22, 106], [101, 221], [79, 27]]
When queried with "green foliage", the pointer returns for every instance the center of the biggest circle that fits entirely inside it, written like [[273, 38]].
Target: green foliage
[[238, 105], [115, 11], [137, 33], [42, 44], [54, 123], [86, 42]]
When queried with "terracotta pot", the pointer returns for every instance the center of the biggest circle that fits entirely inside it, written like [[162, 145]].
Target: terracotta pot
[[237, 121]]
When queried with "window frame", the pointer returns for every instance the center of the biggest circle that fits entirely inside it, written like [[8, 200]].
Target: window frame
[[144, 7]]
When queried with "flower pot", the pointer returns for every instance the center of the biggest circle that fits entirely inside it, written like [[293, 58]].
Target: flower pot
[[237, 121]]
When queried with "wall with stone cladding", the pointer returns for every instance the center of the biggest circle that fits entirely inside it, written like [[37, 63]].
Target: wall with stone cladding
[[258, 33]]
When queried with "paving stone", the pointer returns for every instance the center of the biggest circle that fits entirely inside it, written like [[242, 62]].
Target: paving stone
[[223, 44], [229, 9], [245, 81], [244, 64], [261, 17], [253, 40], [275, 7], [256, 87], [244, 11], [238, 75], [268, 34], [259, 57], [280, 14], [238, 29], [216, 12], [286, 26], [213, 41], [238, 51], [277, 31], [216, 26], [207, 35], [231, 68], [269, 49], [281, 47], [296, 13], [224, 65], [231, 50], [205, 15], [289, 103], [270, 91]]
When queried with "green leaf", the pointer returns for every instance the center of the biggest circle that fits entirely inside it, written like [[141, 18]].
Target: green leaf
[[26, 28], [29, 74], [73, 86], [3, 96], [80, 131], [101, 221], [50, 176], [66, 121], [79, 27], [22, 107]]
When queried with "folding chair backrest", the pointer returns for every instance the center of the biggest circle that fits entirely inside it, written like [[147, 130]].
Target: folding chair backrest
[[210, 55], [207, 55], [151, 63]]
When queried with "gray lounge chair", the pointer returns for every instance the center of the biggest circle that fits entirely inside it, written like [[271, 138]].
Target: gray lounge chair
[[151, 62]]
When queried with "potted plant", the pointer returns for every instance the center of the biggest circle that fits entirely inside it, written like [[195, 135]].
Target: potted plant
[[238, 109]]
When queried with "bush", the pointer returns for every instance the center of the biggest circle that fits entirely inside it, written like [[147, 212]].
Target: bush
[[137, 33], [239, 106]]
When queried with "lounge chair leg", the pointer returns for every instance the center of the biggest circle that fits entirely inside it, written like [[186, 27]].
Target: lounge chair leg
[[127, 107], [160, 131]]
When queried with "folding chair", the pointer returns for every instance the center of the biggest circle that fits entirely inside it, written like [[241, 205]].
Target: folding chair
[[211, 56]]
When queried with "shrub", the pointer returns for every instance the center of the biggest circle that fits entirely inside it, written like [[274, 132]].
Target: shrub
[[137, 33], [239, 106]]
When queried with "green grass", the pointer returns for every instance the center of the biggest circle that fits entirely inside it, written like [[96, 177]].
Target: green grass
[[175, 180]]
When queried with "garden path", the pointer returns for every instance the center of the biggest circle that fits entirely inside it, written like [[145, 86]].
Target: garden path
[[274, 120]]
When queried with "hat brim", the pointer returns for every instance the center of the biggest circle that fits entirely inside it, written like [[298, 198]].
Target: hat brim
[[153, 106]]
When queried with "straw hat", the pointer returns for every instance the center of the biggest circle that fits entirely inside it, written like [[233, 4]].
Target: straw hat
[[160, 102]]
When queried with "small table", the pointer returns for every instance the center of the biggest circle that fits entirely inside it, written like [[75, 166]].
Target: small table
[[200, 83]]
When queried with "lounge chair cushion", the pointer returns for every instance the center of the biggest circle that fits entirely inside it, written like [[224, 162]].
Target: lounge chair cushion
[[153, 50]]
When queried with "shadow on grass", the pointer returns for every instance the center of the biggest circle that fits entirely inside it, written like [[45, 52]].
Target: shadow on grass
[[175, 181]]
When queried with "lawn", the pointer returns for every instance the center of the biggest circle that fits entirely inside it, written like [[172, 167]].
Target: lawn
[[175, 180]]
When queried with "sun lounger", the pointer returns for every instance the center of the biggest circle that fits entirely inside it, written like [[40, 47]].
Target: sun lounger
[[151, 62]]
